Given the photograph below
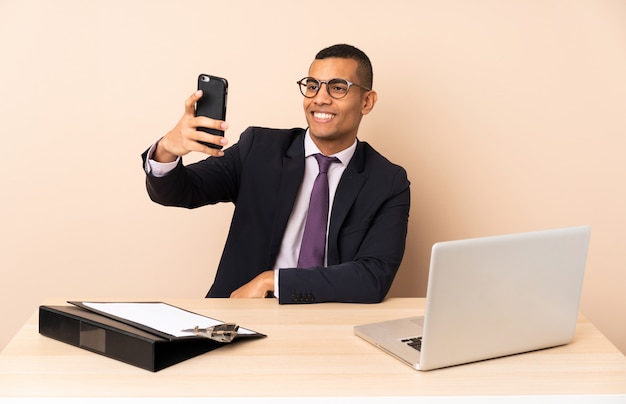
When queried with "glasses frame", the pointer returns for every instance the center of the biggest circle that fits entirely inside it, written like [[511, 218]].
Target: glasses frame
[[302, 86]]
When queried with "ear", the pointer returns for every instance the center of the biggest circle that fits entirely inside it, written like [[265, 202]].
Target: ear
[[368, 102]]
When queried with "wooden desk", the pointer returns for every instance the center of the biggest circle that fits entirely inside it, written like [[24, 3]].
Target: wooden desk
[[310, 351]]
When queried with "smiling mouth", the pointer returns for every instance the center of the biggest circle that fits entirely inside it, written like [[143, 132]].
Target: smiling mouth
[[323, 116]]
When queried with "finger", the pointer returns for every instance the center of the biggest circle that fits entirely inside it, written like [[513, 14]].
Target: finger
[[190, 103], [217, 140], [210, 151], [195, 146], [210, 123]]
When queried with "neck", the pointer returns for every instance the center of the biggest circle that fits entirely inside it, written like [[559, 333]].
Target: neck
[[328, 147]]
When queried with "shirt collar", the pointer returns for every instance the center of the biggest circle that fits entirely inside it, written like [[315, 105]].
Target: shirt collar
[[344, 156]]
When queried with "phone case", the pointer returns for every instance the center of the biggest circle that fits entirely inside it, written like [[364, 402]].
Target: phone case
[[213, 102]]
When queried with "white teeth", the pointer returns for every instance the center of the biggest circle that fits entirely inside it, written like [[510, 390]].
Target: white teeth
[[321, 115]]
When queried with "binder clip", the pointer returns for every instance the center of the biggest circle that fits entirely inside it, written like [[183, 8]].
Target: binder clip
[[221, 332]]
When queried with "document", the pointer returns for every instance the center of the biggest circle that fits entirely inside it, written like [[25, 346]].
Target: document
[[159, 316]]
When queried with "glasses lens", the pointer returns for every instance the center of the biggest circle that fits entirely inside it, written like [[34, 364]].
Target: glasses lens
[[309, 87], [338, 88]]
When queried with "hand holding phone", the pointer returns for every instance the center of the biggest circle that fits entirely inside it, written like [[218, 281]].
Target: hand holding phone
[[213, 102]]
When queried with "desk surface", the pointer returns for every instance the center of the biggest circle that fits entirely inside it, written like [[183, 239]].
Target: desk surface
[[310, 351]]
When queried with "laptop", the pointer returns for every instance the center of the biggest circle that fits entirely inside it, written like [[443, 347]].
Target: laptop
[[490, 297]]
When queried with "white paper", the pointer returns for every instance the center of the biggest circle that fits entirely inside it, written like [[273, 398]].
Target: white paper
[[159, 316]]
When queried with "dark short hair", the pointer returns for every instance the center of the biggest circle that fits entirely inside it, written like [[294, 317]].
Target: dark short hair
[[364, 71]]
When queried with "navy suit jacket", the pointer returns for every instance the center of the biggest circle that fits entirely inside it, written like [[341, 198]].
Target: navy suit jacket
[[261, 175]]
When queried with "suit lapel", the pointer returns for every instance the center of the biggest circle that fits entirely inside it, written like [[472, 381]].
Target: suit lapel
[[349, 187], [290, 180]]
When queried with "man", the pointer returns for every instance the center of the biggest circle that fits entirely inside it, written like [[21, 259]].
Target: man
[[269, 176]]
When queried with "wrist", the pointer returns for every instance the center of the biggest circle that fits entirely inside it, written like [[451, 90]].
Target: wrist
[[162, 155]]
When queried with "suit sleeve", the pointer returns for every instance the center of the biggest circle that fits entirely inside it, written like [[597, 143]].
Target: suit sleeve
[[209, 181]]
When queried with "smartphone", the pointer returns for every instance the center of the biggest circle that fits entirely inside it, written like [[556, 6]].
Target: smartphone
[[213, 102]]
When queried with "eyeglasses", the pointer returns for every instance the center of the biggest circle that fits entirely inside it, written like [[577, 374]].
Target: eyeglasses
[[337, 88]]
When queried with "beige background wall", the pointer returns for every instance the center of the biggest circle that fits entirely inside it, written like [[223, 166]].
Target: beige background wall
[[508, 115]]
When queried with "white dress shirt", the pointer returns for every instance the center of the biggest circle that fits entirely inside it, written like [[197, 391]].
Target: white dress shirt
[[290, 246]]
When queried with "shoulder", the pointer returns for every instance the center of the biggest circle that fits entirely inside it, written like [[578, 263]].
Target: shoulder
[[369, 159], [271, 134], [269, 140], [379, 170]]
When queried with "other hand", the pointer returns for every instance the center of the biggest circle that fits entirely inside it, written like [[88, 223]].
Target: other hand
[[258, 287]]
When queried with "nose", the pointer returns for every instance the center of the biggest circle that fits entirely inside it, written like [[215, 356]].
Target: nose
[[322, 96]]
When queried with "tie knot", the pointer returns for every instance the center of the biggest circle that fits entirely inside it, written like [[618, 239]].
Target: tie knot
[[324, 162]]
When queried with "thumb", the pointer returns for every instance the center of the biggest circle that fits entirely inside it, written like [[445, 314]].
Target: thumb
[[190, 103]]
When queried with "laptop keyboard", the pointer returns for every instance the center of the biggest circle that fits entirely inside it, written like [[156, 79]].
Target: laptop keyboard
[[415, 342]]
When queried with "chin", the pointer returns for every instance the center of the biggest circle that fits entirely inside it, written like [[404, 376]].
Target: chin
[[321, 132], [323, 135]]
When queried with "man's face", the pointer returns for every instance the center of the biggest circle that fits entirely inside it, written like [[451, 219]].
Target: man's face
[[333, 123]]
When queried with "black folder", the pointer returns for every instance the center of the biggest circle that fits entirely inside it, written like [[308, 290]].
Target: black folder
[[124, 342]]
